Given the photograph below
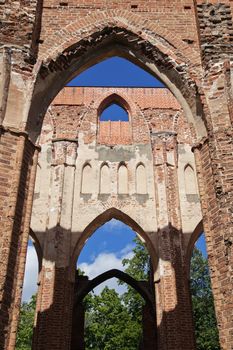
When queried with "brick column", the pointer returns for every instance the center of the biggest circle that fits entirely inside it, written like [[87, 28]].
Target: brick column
[[18, 159], [78, 328], [149, 332], [55, 298], [214, 156], [214, 177], [218, 221], [174, 316]]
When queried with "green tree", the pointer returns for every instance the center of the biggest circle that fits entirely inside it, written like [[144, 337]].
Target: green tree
[[137, 267], [25, 329], [113, 321], [203, 304], [108, 324], [139, 264]]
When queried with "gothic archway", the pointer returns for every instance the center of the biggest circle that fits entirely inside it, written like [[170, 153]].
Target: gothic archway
[[107, 215], [110, 41], [83, 287]]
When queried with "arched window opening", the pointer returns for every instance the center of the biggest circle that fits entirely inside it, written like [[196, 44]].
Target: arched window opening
[[141, 179], [107, 247], [114, 122], [123, 179], [114, 112], [105, 182], [202, 299], [28, 306], [87, 179], [190, 180], [113, 250]]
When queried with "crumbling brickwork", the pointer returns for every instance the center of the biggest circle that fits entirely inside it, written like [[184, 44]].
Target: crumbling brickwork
[[216, 44], [188, 45]]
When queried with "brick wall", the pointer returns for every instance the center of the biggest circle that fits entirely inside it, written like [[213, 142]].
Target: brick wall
[[156, 106], [114, 133], [183, 21], [190, 44]]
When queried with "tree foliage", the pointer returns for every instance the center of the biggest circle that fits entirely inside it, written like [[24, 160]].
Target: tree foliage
[[108, 324], [203, 304], [137, 267], [25, 329], [113, 321]]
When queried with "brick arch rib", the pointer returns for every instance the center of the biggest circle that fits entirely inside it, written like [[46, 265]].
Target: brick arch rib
[[137, 285], [199, 230], [37, 246], [113, 98]]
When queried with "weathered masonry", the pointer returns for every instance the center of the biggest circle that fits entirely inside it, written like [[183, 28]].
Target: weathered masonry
[[170, 166]]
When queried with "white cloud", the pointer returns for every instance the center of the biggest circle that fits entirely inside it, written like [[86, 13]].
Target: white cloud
[[31, 274], [127, 251], [114, 224], [101, 263], [107, 261]]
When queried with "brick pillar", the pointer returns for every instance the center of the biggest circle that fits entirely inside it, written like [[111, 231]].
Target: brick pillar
[[149, 332], [214, 156], [174, 315], [55, 298], [78, 329], [218, 219], [216, 200], [18, 159]]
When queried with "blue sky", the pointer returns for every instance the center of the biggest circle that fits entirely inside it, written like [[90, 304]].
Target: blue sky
[[112, 242], [112, 237], [201, 244], [114, 112], [115, 71]]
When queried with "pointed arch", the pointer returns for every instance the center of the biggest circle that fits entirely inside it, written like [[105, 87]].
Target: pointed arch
[[123, 99], [113, 98], [124, 20], [122, 179], [37, 247], [115, 132], [114, 113], [159, 53], [87, 179], [100, 220], [114, 273], [141, 179], [105, 181], [190, 180]]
